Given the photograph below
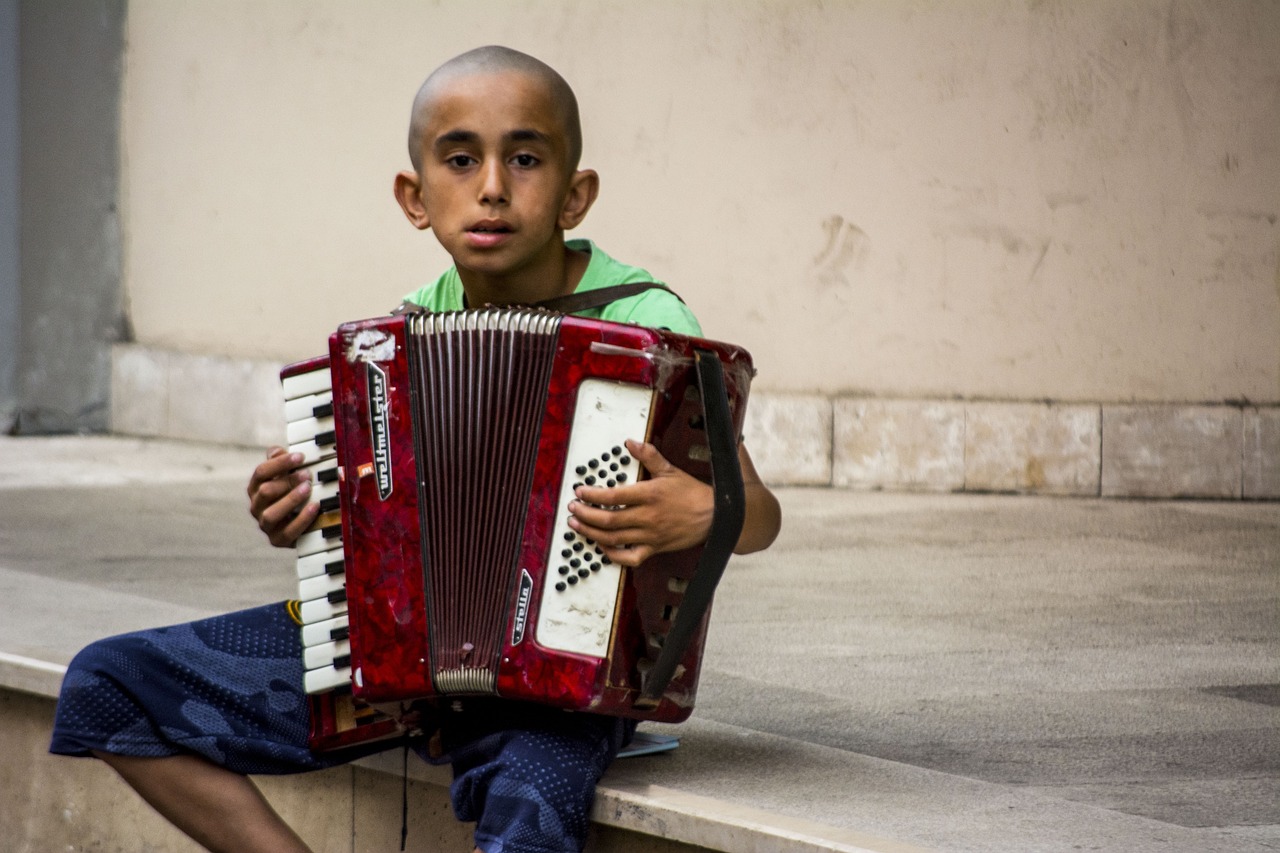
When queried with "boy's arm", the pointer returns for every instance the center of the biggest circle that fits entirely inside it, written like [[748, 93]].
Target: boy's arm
[[669, 511]]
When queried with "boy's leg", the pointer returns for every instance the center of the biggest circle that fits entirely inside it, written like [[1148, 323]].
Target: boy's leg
[[228, 688], [527, 775], [221, 810], [183, 712]]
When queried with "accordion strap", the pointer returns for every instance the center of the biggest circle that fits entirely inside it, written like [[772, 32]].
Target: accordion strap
[[727, 518], [574, 302]]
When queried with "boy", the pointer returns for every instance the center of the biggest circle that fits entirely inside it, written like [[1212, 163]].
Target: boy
[[184, 713]]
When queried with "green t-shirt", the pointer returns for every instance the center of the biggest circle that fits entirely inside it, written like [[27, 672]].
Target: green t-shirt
[[656, 308]]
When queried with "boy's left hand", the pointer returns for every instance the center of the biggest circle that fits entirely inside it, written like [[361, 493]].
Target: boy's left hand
[[669, 511]]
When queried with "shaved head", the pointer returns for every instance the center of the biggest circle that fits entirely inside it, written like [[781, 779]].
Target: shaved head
[[495, 59]]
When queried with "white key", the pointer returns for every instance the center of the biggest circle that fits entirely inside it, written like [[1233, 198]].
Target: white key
[[320, 586], [315, 657], [323, 491], [318, 563], [314, 542], [319, 633], [305, 407], [312, 452], [320, 609], [326, 678], [308, 428], [304, 384]]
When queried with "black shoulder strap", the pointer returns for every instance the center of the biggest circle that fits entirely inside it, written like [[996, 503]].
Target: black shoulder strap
[[574, 302], [601, 296]]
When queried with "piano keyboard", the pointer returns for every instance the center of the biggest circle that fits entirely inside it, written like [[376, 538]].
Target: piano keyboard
[[322, 590]]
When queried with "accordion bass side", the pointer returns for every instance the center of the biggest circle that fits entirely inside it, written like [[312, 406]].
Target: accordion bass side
[[445, 450]]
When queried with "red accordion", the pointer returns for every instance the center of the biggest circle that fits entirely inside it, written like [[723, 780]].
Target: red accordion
[[445, 449]]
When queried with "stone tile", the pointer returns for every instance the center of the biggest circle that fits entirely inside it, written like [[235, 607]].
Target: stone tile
[[224, 400], [1155, 451], [1262, 453], [319, 806], [377, 810], [52, 802], [1032, 447], [789, 437], [139, 390], [898, 444]]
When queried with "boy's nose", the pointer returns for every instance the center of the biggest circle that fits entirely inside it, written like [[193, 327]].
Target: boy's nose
[[493, 187]]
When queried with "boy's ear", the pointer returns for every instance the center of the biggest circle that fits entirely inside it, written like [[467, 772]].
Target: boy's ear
[[584, 186], [407, 193]]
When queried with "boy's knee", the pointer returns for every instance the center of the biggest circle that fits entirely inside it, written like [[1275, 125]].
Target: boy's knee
[[535, 792]]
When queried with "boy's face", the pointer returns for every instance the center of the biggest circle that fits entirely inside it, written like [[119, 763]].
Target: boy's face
[[495, 184]]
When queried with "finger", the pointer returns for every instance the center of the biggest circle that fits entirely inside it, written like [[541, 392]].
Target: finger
[[629, 495], [650, 457], [608, 507], [630, 556], [280, 513], [287, 535], [283, 487], [279, 462]]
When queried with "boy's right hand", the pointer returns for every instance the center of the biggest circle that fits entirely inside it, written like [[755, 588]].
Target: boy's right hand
[[279, 497]]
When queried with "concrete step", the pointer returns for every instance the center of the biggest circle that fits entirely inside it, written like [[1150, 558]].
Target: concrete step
[[58, 803]]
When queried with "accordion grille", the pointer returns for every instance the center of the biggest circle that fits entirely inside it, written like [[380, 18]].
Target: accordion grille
[[478, 382]]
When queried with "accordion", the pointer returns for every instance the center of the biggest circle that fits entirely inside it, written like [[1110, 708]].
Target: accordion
[[445, 449]]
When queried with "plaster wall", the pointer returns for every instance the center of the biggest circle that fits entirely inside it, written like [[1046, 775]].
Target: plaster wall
[[986, 199]]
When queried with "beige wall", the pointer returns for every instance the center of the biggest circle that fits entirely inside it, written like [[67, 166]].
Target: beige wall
[[1065, 199]]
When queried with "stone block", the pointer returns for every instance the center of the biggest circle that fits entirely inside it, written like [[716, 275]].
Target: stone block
[[195, 397], [225, 400], [789, 437], [1036, 448], [139, 390], [1262, 453], [898, 444], [1155, 451]]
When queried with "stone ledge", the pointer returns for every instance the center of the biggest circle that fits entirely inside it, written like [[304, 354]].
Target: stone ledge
[[1085, 449], [628, 817]]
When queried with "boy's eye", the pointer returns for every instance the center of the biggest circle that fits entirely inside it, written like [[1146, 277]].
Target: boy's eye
[[525, 160], [460, 161]]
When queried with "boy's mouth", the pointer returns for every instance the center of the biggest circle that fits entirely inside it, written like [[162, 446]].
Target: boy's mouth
[[488, 234]]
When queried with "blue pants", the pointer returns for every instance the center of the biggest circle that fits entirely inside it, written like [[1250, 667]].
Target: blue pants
[[229, 688]]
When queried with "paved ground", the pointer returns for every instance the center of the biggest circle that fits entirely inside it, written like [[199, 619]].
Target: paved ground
[[970, 673]]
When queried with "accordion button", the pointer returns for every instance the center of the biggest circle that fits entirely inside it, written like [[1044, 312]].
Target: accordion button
[[573, 579], [561, 587]]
